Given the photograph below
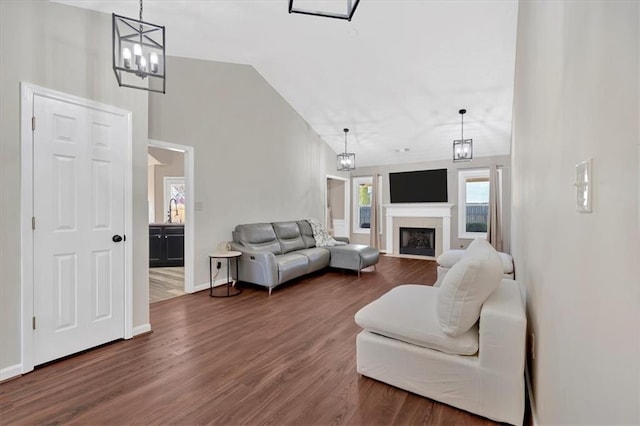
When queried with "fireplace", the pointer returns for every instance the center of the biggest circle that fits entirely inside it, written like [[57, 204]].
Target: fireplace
[[418, 241], [418, 215]]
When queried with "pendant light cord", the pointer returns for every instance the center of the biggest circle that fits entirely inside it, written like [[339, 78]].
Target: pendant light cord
[[345, 140], [462, 112], [141, 23]]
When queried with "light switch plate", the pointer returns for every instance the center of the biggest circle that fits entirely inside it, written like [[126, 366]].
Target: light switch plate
[[583, 186]]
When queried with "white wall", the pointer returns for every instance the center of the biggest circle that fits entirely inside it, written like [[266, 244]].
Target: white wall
[[256, 159], [66, 49], [576, 97], [452, 187]]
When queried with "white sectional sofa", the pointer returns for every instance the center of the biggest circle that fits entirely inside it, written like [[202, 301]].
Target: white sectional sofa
[[462, 343]]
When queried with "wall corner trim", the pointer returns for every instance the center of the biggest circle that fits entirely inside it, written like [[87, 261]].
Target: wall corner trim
[[141, 329], [10, 372]]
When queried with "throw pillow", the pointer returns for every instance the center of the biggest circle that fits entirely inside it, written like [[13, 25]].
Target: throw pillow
[[323, 239], [466, 286]]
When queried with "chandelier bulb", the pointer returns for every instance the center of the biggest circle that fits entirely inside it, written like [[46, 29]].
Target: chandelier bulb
[[126, 57], [153, 60], [137, 53]]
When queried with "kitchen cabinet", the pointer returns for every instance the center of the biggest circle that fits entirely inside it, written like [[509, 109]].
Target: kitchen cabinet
[[166, 244]]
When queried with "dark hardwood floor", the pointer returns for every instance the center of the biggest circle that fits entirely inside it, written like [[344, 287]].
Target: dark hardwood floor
[[288, 359]]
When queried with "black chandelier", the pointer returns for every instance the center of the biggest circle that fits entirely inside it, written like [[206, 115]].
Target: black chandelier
[[462, 148], [139, 59], [346, 160], [345, 11]]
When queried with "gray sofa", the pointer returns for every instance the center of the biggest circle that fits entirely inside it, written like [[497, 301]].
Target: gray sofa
[[274, 253]]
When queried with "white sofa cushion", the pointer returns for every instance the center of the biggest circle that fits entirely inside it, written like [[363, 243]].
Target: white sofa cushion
[[451, 257], [507, 263], [466, 286], [408, 313]]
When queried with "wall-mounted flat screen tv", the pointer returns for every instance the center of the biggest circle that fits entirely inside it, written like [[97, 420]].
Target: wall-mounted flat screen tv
[[423, 186]]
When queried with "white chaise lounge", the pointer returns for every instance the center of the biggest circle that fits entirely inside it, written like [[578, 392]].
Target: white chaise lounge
[[428, 340]]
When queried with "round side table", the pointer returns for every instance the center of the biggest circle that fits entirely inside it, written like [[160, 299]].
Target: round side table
[[228, 289]]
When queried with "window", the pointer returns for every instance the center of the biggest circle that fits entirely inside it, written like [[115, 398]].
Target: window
[[362, 197], [473, 203], [363, 189], [174, 196]]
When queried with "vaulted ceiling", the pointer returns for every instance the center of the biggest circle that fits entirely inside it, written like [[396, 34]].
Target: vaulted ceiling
[[396, 75]]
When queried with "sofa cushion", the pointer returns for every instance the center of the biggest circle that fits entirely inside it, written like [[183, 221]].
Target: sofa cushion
[[353, 256], [307, 233], [257, 237], [318, 258], [450, 257], [466, 286], [408, 313], [291, 265], [507, 262], [288, 234]]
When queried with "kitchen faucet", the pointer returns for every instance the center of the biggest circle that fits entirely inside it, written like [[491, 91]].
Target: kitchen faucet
[[176, 204]]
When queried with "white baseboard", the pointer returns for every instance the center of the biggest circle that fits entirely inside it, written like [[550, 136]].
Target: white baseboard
[[205, 286], [200, 287], [141, 329], [527, 377], [10, 372]]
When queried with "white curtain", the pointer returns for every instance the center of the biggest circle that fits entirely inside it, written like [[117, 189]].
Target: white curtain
[[374, 236], [494, 227]]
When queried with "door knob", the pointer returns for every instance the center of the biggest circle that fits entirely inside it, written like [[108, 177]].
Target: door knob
[[116, 238]]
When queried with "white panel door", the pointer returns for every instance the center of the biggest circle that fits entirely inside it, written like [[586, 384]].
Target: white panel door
[[79, 270]]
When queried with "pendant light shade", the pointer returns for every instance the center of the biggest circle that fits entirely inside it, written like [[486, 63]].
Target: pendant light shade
[[339, 9], [462, 148], [346, 160], [138, 53]]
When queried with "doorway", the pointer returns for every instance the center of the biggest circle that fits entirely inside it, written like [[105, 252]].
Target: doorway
[[337, 214], [171, 216]]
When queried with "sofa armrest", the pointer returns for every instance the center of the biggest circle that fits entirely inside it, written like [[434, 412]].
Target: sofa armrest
[[503, 330], [342, 239], [258, 267]]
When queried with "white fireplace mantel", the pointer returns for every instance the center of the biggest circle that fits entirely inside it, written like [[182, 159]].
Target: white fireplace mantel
[[421, 210]]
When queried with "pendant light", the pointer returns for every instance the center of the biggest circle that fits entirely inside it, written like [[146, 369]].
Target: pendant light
[[346, 160], [462, 148], [138, 53], [342, 9]]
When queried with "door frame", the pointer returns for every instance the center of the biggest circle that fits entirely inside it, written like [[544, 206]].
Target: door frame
[[27, 93], [347, 201], [189, 213]]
